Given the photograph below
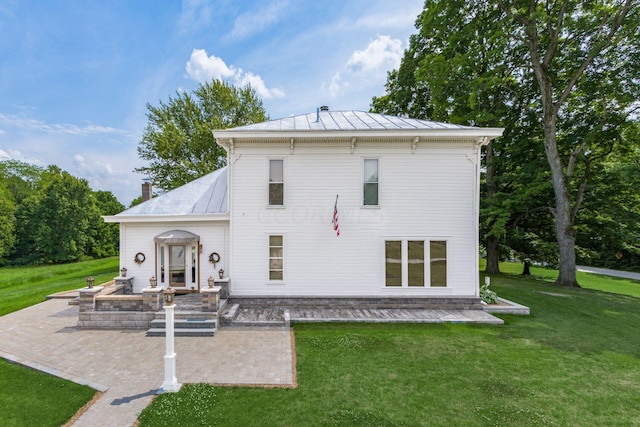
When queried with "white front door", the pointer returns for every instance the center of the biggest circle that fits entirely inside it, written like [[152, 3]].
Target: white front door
[[178, 266]]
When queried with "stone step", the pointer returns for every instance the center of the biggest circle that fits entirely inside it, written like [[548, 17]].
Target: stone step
[[257, 323], [432, 303], [188, 315], [186, 323], [228, 315], [182, 332], [184, 328]]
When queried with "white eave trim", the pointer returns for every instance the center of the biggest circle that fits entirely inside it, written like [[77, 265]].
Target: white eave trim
[[130, 219], [226, 136]]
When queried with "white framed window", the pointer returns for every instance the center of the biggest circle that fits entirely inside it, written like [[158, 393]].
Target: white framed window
[[370, 182], [276, 258], [438, 263], [276, 182], [415, 263]]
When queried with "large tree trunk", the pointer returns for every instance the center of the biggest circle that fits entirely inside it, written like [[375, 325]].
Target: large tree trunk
[[492, 242], [493, 255], [565, 233]]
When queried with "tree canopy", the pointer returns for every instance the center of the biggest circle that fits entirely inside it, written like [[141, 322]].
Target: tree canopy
[[561, 77], [49, 216], [178, 142]]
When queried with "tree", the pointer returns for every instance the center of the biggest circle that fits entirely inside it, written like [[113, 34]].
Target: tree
[[610, 220], [7, 221], [572, 66], [56, 223], [571, 45], [178, 140], [459, 68], [20, 178], [107, 236]]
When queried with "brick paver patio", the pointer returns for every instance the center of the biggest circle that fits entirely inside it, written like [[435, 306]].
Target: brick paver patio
[[129, 367]]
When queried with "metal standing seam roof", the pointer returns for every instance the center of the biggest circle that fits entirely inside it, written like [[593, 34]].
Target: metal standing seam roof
[[205, 195], [346, 121]]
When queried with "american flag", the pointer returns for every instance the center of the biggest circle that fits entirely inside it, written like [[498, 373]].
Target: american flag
[[336, 226]]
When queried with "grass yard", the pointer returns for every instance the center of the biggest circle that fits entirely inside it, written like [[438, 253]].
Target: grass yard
[[574, 361], [587, 280], [22, 287], [29, 397], [32, 398]]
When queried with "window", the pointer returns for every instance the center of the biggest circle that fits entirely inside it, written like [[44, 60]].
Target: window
[[161, 264], [438, 252], [276, 182], [406, 266], [393, 262], [415, 262], [276, 258], [370, 191]]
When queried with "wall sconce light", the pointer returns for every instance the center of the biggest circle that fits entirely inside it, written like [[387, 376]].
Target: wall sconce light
[[90, 281], [221, 273], [210, 281], [153, 281], [168, 295], [123, 272]]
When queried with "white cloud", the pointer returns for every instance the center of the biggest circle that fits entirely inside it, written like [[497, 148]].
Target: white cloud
[[366, 69], [195, 14], [17, 155], [257, 20], [384, 53], [258, 85], [203, 68], [59, 128], [335, 87], [78, 158]]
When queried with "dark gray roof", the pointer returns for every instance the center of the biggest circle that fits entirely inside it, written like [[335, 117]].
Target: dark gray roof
[[205, 195], [345, 120]]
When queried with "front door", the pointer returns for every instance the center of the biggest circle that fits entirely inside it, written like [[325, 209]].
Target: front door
[[177, 266]]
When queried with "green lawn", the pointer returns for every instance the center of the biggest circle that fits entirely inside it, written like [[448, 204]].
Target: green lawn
[[22, 287], [28, 397], [31, 398], [586, 280], [574, 361]]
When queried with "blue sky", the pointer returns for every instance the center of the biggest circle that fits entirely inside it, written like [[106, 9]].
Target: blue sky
[[75, 76]]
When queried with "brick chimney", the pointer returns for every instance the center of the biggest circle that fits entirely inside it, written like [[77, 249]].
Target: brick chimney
[[147, 191]]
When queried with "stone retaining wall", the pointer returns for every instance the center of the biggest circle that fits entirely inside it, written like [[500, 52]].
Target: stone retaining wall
[[115, 320], [430, 303], [118, 303]]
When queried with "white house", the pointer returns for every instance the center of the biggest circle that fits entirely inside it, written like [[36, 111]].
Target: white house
[[405, 193]]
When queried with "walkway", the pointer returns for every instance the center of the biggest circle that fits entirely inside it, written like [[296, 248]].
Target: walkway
[[607, 272], [129, 367]]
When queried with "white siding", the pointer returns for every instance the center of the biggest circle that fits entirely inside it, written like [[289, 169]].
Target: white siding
[[430, 194], [138, 237]]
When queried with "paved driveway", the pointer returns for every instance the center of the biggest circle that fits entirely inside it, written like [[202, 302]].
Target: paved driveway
[[608, 272], [129, 367]]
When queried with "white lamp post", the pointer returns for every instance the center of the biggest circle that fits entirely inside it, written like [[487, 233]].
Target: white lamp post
[[170, 383]]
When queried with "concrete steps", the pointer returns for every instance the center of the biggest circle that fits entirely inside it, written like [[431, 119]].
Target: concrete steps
[[188, 327]]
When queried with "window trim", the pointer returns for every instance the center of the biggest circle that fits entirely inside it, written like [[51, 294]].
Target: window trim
[[269, 258], [364, 182], [269, 182], [404, 248]]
